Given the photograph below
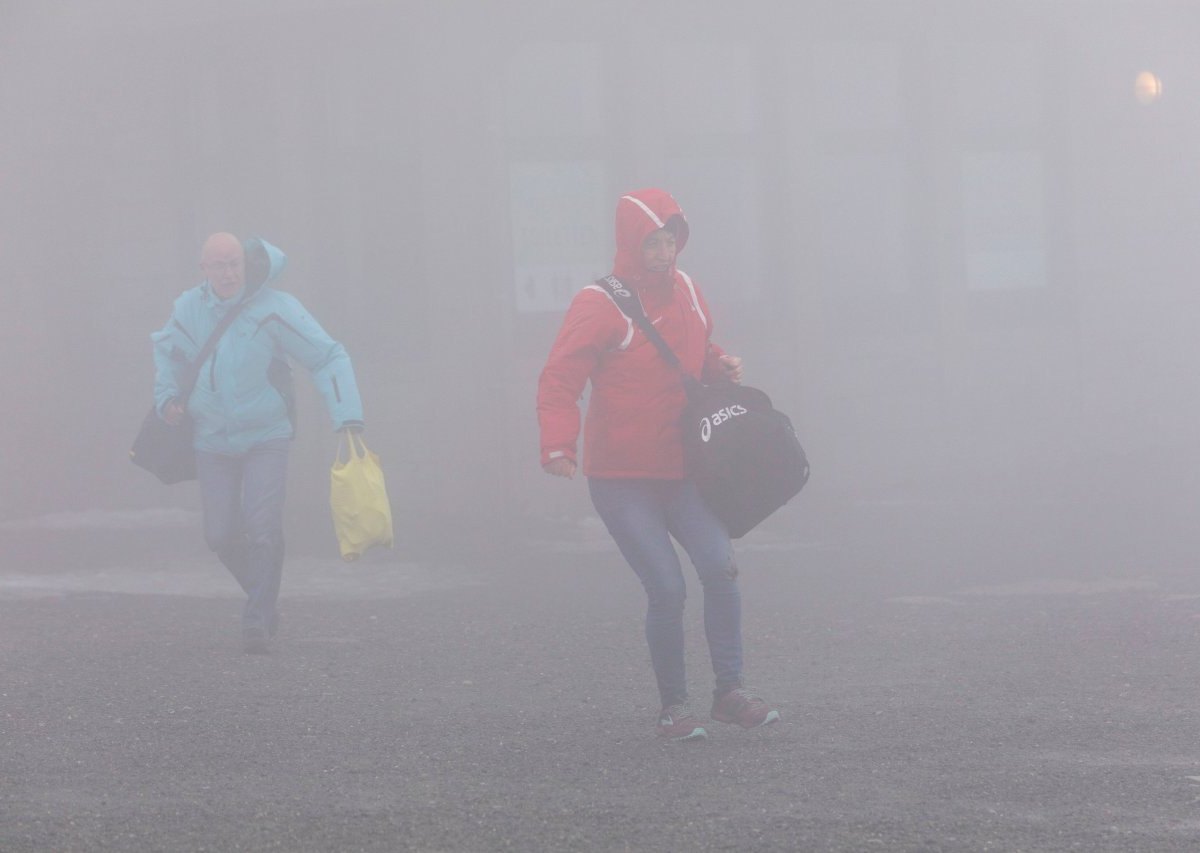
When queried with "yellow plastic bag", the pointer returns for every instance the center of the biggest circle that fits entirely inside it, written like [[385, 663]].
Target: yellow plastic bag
[[362, 516]]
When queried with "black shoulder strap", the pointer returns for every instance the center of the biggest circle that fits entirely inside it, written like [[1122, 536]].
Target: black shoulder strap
[[631, 306], [193, 370]]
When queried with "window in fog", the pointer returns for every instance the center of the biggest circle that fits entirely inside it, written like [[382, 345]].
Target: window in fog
[[559, 205], [1001, 90], [1003, 220], [561, 226]]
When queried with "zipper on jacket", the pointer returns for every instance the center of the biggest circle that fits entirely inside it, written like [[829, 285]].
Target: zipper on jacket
[[212, 369], [336, 393]]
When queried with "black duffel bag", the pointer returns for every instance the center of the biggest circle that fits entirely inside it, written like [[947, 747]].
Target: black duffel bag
[[742, 452], [164, 450]]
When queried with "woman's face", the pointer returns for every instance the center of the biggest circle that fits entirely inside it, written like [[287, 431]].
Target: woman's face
[[658, 251]]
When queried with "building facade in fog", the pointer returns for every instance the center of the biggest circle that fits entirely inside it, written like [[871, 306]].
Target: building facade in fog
[[949, 238]]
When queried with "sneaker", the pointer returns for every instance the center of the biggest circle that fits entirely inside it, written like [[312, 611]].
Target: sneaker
[[255, 640], [675, 722], [744, 708]]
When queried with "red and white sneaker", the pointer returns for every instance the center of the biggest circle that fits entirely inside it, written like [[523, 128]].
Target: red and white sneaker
[[744, 708], [675, 722]]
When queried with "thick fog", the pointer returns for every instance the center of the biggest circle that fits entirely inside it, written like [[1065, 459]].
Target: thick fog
[[955, 241]]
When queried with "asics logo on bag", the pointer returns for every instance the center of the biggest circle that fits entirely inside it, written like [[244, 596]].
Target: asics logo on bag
[[711, 422]]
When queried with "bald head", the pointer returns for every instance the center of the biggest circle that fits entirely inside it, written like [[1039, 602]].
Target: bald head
[[224, 264], [222, 241]]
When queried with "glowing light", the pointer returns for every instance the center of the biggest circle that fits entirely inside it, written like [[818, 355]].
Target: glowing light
[[1147, 88]]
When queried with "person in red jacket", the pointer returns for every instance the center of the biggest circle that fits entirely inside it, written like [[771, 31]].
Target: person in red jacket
[[633, 452]]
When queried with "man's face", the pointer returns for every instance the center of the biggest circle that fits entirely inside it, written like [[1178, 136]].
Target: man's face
[[658, 251], [224, 264]]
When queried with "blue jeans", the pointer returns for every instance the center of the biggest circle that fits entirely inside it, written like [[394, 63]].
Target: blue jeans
[[642, 516], [243, 521]]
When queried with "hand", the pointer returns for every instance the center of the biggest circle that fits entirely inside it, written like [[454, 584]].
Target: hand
[[560, 467], [173, 413], [732, 365]]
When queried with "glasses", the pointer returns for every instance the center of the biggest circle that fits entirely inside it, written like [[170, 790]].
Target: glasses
[[223, 266]]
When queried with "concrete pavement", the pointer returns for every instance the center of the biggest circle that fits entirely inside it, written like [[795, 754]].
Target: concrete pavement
[[502, 703]]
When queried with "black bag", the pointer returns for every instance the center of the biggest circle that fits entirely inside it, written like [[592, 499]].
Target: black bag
[[743, 453], [166, 451]]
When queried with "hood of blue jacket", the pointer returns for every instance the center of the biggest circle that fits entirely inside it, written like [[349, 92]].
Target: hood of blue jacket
[[264, 263]]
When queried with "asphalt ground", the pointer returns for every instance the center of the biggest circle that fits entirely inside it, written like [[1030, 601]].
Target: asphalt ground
[[505, 702]]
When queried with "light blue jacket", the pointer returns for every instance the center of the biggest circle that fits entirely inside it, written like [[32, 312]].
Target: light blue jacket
[[235, 405]]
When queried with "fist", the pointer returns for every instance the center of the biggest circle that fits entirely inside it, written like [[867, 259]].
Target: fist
[[732, 365], [560, 467], [173, 413]]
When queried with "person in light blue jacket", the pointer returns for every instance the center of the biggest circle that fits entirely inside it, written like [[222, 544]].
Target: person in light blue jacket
[[240, 408]]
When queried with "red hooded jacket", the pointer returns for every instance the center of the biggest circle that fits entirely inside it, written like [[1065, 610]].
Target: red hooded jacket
[[632, 427]]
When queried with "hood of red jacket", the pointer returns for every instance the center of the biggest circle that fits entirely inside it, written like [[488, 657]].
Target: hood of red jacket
[[639, 214]]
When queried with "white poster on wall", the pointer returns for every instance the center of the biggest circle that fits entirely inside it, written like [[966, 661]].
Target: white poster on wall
[[1004, 228], [560, 231]]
